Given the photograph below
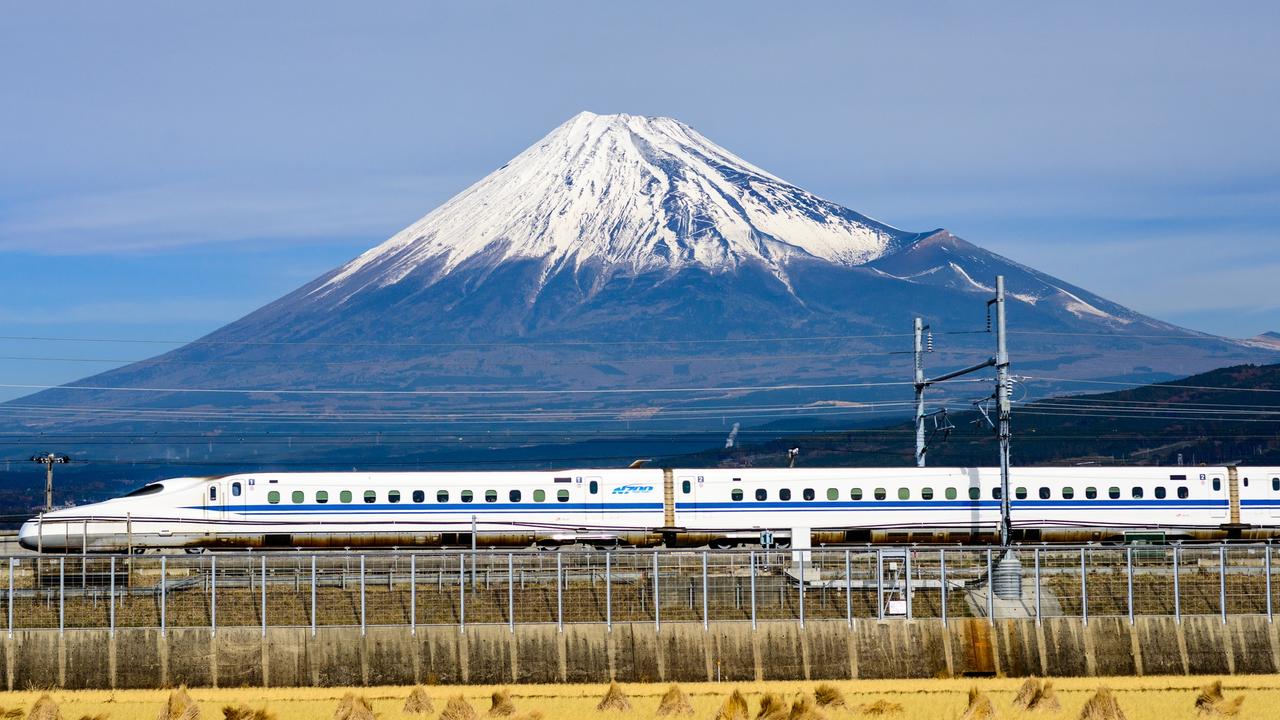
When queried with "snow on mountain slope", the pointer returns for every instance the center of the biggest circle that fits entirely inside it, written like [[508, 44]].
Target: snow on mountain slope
[[633, 193]]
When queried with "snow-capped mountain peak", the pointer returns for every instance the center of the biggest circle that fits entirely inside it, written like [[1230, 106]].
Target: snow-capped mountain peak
[[628, 192]]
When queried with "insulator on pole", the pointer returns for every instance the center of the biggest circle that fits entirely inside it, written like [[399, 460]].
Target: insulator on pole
[[929, 342]]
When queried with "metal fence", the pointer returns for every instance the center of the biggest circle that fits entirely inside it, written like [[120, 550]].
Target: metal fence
[[460, 588]]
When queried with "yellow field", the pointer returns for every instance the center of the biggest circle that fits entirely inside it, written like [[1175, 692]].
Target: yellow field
[[1149, 698]]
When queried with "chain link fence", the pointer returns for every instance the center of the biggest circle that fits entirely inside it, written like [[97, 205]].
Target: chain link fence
[[457, 588]]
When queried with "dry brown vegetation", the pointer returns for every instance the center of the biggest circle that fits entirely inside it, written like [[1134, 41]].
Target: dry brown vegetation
[[734, 707], [179, 706], [418, 702], [45, 709], [500, 704], [1102, 706], [803, 708], [244, 712], [879, 708], [353, 707], [828, 696], [1210, 703], [674, 702], [773, 707], [980, 706], [458, 709], [614, 699]]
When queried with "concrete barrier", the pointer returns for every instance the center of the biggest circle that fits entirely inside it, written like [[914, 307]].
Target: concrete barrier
[[775, 650]]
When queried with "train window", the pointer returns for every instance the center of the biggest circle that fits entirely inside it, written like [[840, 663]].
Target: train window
[[151, 489], [1275, 484], [951, 493], [736, 494], [273, 497], [593, 487], [393, 496], [345, 496], [808, 494], [468, 496], [904, 493], [562, 496], [370, 496], [1091, 493], [322, 496], [1217, 484], [1020, 493], [419, 496], [1068, 493], [686, 487], [539, 495], [855, 493], [784, 494], [235, 489], [926, 493], [1246, 482], [762, 494], [213, 493], [1044, 493], [298, 497], [1137, 492], [1182, 492], [833, 494], [1113, 492], [442, 496], [514, 496], [491, 496], [1159, 492], [995, 493], [975, 493], [880, 494]]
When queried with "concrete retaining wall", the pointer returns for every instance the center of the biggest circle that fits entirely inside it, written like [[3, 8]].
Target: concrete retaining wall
[[141, 658]]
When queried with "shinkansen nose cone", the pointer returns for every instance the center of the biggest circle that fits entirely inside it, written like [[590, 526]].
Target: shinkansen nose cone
[[27, 535]]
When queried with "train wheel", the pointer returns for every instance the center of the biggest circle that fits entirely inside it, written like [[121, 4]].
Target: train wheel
[[721, 544]]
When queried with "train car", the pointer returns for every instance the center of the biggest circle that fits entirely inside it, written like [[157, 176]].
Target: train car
[[676, 507]]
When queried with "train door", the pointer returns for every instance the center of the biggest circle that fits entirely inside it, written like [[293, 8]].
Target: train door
[[597, 511], [1217, 484], [214, 500], [687, 493], [1271, 490], [238, 493]]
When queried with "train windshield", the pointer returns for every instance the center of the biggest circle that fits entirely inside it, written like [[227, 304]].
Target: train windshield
[[151, 489]]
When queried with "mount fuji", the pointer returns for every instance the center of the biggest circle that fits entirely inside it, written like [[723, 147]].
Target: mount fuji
[[617, 256]]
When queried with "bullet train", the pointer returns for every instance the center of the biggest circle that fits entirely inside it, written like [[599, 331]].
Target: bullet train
[[716, 507]]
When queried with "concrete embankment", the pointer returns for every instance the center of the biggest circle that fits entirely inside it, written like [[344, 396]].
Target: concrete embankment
[[145, 658]]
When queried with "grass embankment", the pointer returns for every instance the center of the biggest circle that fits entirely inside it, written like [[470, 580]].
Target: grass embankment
[[1148, 698]]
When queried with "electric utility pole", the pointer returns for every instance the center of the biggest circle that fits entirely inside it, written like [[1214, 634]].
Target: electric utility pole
[[49, 460]]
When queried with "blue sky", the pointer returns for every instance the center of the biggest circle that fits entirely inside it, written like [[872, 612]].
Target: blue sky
[[166, 168]]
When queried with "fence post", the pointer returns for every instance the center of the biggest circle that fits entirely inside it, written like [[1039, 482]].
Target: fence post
[[559, 592], [991, 592], [111, 598], [511, 592], [1222, 582], [213, 592], [314, 579], [657, 621], [1036, 555], [62, 596], [706, 623], [906, 570], [1128, 561], [1267, 565], [164, 594], [1084, 591], [801, 560], [942, 582], [608, 591], [363, 616], [263, 588], [879, 584], [462, 592], [848, 590], [113, 575], [1177, 595], [752, 575]]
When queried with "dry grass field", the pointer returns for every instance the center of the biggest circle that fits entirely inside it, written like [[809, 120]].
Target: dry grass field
[[1148, 698]]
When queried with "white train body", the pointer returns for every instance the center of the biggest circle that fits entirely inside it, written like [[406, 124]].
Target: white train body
[[676, 507]]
